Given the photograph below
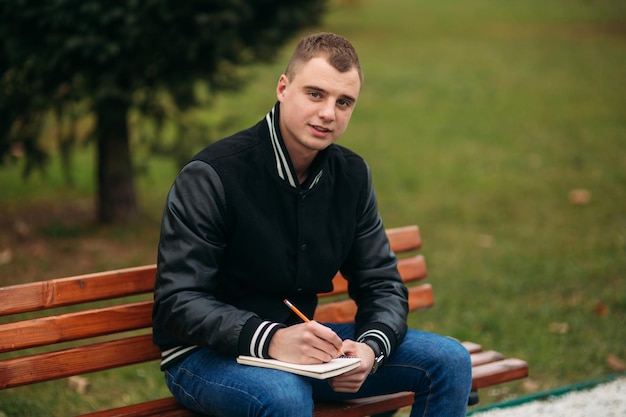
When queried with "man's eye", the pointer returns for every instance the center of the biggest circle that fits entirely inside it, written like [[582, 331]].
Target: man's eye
[[315, 94], [343, 103]]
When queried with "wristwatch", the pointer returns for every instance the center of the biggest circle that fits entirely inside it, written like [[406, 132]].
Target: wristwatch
[[379, 355]]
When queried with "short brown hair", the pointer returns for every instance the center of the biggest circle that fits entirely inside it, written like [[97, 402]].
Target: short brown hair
[[337, 50]]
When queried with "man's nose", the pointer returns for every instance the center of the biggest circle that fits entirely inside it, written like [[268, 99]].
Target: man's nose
[[327, 111]]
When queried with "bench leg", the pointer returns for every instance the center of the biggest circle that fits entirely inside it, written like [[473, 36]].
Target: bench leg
[[473, 398]]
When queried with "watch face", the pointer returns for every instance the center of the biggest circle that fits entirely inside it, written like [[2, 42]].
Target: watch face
[[377, 361]]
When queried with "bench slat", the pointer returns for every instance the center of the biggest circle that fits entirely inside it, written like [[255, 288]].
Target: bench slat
[[410, 269], [74, 290], [74, 326], [75, 361], [421, 297], [480, 358], [60, 292], [404, 239], [164, 407], [472, 347], [413, 268], [365, 406], [343, 311], [169, 407], [498, 372]]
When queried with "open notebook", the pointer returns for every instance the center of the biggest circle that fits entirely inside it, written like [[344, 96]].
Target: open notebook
[[326, 370]]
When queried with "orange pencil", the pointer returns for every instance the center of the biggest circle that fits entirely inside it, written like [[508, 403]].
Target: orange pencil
[[295, 310], [303, 317]]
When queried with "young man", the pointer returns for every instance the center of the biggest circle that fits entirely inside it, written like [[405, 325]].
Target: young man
[[273, 212]]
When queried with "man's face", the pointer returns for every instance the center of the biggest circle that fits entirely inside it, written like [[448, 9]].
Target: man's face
[[316, 105]]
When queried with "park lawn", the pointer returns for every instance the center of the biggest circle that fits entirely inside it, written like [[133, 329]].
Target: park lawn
[[478, 119]]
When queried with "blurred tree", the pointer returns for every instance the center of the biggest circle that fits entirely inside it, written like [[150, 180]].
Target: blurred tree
[[68, 59]]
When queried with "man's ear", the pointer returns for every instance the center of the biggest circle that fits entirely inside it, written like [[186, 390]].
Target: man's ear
[[281, 86]]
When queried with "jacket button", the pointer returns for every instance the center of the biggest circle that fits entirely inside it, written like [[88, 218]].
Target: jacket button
[[303, 247]]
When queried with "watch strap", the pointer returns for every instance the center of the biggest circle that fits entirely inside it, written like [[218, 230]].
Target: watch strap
[[379, 355]]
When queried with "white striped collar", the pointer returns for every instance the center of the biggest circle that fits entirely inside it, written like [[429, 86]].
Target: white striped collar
[[280, 155]]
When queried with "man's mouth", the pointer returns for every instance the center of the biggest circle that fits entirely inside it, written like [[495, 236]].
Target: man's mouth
[[321, 129]]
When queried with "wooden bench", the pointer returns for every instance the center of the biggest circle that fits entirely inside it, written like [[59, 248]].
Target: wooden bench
[[127, 327]]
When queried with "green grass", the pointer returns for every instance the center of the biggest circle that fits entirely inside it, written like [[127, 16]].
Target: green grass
[[478, 119]]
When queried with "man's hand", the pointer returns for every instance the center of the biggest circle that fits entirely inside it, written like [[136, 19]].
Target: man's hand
[[351, 381], [305, 343]]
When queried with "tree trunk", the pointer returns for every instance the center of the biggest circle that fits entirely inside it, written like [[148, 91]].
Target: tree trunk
[[117, 202]]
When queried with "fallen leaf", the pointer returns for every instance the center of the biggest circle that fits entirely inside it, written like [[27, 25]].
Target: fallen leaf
[[615, 363], [485, 241], [22, 229], [78, 384], [6, 256], [559, 328], [600, 309], [530, 386], [579, 197]]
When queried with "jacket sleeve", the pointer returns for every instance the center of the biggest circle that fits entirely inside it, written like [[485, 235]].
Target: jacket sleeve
[[191, 249], [374, 281]]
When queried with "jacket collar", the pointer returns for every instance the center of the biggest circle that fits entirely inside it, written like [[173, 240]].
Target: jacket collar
[[282, 159]]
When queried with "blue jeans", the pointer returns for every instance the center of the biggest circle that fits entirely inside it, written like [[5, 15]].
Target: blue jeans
[[436, 368]]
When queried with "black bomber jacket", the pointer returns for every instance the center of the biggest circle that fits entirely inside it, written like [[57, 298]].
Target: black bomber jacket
[[239, 235]]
